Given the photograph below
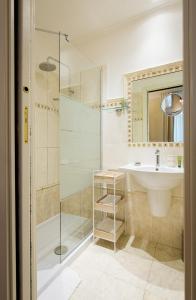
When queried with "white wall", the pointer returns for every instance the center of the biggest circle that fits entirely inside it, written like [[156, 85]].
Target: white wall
[[149, 41]]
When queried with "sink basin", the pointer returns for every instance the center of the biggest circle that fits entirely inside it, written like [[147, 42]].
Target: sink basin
[[158, 183], [163, 179]]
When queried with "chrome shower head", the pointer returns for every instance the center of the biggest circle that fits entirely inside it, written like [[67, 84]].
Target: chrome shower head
[[47, 66]]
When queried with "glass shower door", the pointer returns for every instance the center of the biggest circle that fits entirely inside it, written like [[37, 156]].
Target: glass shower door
[[45, 80], [80, 143]]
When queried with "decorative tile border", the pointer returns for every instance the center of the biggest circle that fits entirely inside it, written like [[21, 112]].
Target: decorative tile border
[[116, 105], [46, 107], [112, 103], [94, 106], [157, 145], [148, 73], [51, 108]]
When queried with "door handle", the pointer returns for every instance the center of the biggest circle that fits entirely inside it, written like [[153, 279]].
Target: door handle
[[26, 124]]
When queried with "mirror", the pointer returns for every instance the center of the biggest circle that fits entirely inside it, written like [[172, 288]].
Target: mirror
[[165, 116], [172, 104], [156, 106]]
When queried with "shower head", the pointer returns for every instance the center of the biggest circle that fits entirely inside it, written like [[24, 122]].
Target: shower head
[[47, 66]]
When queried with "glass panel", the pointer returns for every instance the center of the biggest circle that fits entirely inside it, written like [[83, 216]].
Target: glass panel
[[45, 78], [79, 114]]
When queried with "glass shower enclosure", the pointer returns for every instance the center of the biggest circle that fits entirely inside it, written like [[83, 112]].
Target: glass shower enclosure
[[67, 148], [79, 142]]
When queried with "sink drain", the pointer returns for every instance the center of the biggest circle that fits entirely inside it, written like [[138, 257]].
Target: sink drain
[[60, 250]]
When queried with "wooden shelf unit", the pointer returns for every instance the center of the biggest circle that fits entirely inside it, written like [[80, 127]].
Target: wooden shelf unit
[[109, 204]]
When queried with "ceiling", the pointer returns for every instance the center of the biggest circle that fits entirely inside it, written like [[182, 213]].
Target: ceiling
[[85, 18]]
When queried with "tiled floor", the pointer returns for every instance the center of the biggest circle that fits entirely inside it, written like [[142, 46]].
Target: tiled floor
[[142, 271]]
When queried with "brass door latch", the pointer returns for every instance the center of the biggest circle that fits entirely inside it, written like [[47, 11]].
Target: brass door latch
[[26, 124]]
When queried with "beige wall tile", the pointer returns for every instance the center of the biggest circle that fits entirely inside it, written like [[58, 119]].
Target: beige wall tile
[[79, 203], [142, 224], [41, 127], [41, 167], [53, 129], [47, 203], [87, 203], [53, 166]]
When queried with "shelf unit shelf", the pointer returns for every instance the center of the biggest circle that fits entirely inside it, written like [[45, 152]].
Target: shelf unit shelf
[[108, 177], [104, 230], [106, 203], [109, 201]]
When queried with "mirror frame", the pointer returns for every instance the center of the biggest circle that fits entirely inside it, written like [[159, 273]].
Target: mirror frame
[[128, 83]]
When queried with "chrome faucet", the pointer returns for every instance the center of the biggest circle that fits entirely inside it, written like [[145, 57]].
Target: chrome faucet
[[157, 153]]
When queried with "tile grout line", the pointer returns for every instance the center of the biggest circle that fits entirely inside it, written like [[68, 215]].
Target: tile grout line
[[124, 281], [144, 290], [75, 289], [150, 270]]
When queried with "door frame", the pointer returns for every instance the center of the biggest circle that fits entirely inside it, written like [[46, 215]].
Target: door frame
[[189, 12], [7, 152], [24, 12]]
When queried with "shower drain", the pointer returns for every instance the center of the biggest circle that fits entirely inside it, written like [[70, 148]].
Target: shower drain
[[60, 250]]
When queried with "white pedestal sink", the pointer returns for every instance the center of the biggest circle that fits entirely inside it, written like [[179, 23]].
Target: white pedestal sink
[[158, 183]]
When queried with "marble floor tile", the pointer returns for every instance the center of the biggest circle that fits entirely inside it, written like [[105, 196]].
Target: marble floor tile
[[128, 274], [151, 296], [130, 267], [153, 292], [121, 265], [166, 277], [93, 257], [108, 288], [86, 271]]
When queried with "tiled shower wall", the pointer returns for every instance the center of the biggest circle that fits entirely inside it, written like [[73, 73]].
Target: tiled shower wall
[[47, 145], [47, 203], [47, 161], [79, 204], [46, 128], [77, 126]]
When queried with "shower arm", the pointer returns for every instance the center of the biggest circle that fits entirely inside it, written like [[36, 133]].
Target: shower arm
[[58, 61], [53, 32]]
